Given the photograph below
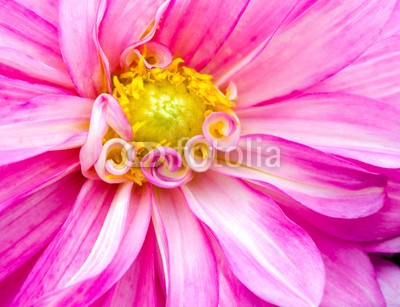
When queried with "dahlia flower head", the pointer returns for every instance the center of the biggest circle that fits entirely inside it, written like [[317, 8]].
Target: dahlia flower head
[[199, 153]]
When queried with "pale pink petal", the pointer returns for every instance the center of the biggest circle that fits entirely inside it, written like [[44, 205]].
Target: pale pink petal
[[41, 124], [47, 9], [27, 177], [72, 245], [323, 40], [13, 91], [321, 182], [383, 224], [389, 246], [138, 286], [388, 275], [80, 48], [350, 278], [392, 27], [123, 24], [17, 64], [191, 267], [32, 221], [375, 74], [231, 291], [266, 251], [195, 30], [259, 21], [106, 113], [119, 241], [351, 126], [24, 32]]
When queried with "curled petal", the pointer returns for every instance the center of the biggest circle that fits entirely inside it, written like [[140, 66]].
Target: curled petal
[[199, 154], [106, 166], [106, 113], [163, 167], [124, 60], [155, 56], [222, 130]]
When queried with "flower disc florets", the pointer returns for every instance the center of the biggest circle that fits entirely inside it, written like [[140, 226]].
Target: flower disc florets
[[167, 107]]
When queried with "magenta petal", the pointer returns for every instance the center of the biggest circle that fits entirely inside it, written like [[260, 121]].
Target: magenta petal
[[351, 126], [383, 224], [28, 43], [231, 291], [10, 286], [75, 239], [120, 238], [80, 46], [375, 74], [47, 9], [268, 253], [327, 37], [138, 286], [13, 91], [29, 176], [258, 22], [29, 223], [123, 24], [392, 27], [350, 278], [389, 246], [54, 121], [198, 47], [321, 182], [388, 275], [190, 267]]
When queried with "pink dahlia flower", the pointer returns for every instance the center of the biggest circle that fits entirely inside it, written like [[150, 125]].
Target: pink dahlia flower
[[199, 153]]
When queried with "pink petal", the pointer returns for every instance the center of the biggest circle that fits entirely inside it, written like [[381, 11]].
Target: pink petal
[[23, 33], [389, 246], [258, 22], [123, 24], [44, 123], [29, 176], [231, 291], [72, 245], [47, 9], [13, 91], [383, 224], [138, 286], [31, 221], [392, 27], [267, 252], [10, 286], [116, 247], [388, 275], [212, 28], [321, 182], [324, 39], [375, 74], [190, 268], [350, 278], [351, 126], [17, 64], [80, 46]]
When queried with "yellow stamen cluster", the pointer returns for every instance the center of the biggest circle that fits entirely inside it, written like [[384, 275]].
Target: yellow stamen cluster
[[164, 105]]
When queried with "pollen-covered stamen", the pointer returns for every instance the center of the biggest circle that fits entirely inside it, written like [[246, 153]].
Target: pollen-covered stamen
[[163, 167], [222, 130], [199, 154], [166, 104], [116, 159]]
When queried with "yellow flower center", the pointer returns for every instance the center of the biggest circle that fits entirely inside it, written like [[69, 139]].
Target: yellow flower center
[[165, 105]]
